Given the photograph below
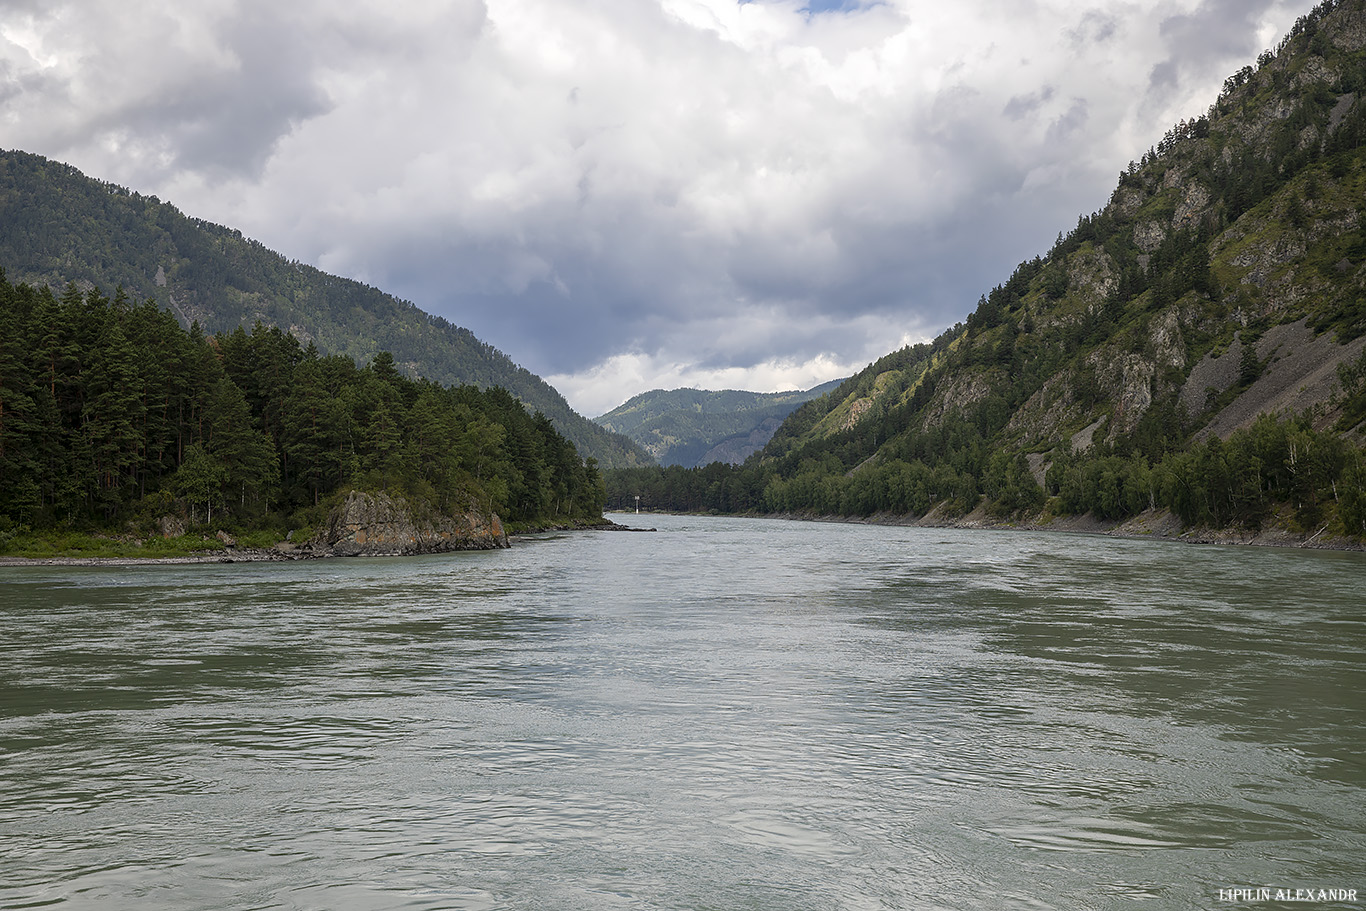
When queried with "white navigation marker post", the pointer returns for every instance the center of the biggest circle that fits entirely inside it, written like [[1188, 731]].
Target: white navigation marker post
[[637, 504]]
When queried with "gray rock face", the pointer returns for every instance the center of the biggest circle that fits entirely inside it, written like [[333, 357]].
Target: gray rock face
[[1149, 235], [383, 524]]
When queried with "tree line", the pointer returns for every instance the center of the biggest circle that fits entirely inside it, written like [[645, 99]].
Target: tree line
[[111, 412], [1214, 483]]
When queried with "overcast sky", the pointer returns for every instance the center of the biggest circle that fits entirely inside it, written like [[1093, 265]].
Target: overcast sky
[[630, 194]]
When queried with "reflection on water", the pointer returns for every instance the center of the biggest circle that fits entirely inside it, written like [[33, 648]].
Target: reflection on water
[[723, 714]]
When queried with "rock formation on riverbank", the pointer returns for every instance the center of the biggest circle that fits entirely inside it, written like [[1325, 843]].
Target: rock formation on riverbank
[[375, 524]]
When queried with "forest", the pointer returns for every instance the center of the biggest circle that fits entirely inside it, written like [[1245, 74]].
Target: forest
[[112, 416], [1213, 483]]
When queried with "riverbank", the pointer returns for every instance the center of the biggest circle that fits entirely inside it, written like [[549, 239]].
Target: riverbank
[[605, 525], [225, 555], [218, 551], [1150, 524]]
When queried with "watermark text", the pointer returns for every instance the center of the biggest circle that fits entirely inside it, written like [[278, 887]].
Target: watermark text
[[1249, 894]]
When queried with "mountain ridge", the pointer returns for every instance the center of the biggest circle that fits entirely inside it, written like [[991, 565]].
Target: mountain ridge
[[58, 225], [689, 426]]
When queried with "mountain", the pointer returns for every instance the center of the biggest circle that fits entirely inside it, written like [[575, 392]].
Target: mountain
[[695, 427], [57, 225], [1198, 345]]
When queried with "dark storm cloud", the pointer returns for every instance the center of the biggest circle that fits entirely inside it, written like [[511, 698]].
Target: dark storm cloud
[[171, 89], [13, 84], [1069, 123]]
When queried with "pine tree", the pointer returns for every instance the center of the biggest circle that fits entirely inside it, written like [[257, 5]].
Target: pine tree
[[111, 416]]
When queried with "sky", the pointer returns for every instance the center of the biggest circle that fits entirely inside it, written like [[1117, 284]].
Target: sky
[[624, 195]]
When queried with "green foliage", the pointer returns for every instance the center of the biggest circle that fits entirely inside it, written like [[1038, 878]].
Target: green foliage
[[200, 480], [110, 413], [1352, 379], [1249, 367], [1210, 483], [48, 545], [1352, 496]]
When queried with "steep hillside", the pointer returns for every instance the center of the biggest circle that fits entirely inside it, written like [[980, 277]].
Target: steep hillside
[[57, 225], [695, 427], [1139, 363], [887, 383]]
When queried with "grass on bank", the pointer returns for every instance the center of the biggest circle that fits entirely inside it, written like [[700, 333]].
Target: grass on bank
[[59, 544]]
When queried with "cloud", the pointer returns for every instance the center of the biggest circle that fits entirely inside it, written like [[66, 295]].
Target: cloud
[[1022, 106], [1200, 42], [619, 192], [164, 89], [1094, 26]]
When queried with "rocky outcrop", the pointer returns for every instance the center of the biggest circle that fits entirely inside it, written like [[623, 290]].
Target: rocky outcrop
[[1047, 411], [958, 393], [171, 526], [1091, 276], [857, 410], [1149, 235], [375, 524], [1128, 379], [1195, 202], [1300, 373]]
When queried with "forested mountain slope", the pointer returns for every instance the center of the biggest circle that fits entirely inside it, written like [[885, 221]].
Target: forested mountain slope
[[1196, 344], [691, 427], [59, 226]]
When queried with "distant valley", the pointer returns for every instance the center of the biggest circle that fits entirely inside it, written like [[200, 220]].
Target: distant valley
[[691, 427]]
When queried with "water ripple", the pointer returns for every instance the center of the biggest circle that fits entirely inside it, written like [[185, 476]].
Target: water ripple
[[728, 713]]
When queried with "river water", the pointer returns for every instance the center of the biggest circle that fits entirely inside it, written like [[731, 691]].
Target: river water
[[722, 714]]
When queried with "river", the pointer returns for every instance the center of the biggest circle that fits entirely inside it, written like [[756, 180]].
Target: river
[[722, 714]]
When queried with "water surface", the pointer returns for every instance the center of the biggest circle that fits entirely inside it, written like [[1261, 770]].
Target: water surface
[[722, 714]]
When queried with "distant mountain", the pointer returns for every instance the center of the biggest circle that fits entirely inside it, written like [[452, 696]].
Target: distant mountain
[[1198, 345], [57, 225], [696, 427]]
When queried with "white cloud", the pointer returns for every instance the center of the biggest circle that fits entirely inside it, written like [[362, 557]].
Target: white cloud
[[623, 191]]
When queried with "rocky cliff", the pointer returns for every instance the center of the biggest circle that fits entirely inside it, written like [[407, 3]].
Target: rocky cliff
[[1225, 277], [385, 524]]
